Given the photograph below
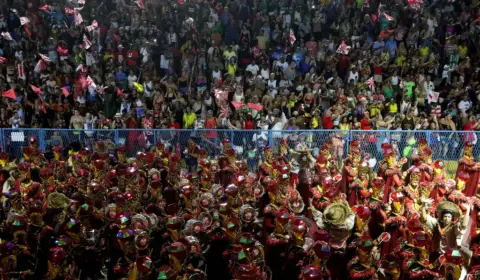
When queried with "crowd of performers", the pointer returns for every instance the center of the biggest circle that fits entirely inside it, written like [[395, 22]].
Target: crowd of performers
[[97, 214]]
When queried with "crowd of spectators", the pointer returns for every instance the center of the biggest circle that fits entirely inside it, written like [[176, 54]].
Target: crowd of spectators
[[242, 64]]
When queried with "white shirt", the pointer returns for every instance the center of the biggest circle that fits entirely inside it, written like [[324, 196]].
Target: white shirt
[[253, 69], [131, 79], [282, 65], [265, 73], [464, 106]]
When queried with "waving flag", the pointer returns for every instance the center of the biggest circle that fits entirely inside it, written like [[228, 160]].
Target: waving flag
[[86, 43], [292, 38], [256, 107], [45, 58], [237, 105], [79, 68], [61, 51], [9, 94], [35, 89], [140, 4], [343, 48], [389, 18], [69, 11], [3, 60], [7, 36], [40, 66], [120, 92], [44, 109], [415, 4], [371, 84], [78, 18], [24, 20], [81, 2], [65, 91], [90, 82], [93, 26], [21, 71], [44, 7], [224, 111]]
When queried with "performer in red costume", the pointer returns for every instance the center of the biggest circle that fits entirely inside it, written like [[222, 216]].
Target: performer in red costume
[[467, 164]]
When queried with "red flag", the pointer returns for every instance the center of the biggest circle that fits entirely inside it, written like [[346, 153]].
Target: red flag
[[120, 92], [44, 110], [68, 11], [65, 91], [9, 94], [35, 89], [3, 60], [140, 4], [238, 105], [61, 51], [256, 107], [44, 7]]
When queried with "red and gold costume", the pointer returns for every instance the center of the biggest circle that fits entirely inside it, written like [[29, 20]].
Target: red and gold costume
[[467, 164]]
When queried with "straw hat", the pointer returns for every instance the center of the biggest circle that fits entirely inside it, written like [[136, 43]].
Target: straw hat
[[449, 207], [58, 200], [336, 213]]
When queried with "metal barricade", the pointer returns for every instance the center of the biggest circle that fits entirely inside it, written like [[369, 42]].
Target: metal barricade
[[249, 144]]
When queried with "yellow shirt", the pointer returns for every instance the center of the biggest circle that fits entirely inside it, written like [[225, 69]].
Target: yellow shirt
[[392, 107], [400, 60], [231, 69], [344, 126], [424, 51], [189, 120], [385, 57], [462, 51], [374, 110], [228, 54]]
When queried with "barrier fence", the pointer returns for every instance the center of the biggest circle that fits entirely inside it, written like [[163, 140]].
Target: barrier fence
[[249, 144]]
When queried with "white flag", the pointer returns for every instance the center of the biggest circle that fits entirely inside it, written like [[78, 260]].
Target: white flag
[[93, 26], [86, 43], [45, 58], [24, 20], [7, 36], [78, 18], [292, 38], [371, 84], [81, 2], [90, 82]]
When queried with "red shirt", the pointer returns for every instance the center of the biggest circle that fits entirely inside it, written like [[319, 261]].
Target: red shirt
[[174, 125], [132, 56], [365, 124], [377, 70], [249, 125], [211, 123], [327, 122], [343, 62]]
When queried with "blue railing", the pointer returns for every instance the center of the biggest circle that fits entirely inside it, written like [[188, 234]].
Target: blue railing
[[446, 145]]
